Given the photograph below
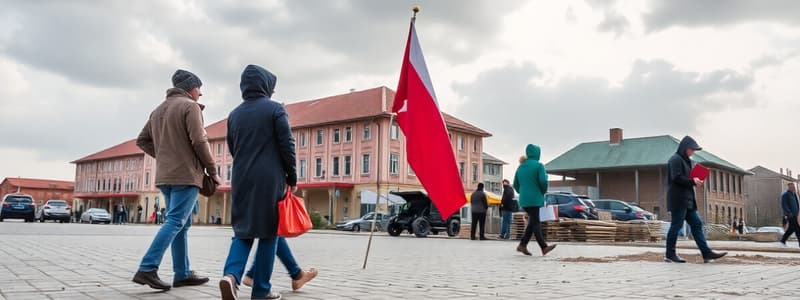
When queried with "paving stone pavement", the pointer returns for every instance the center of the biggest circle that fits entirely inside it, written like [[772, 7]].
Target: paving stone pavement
[[81, 261]]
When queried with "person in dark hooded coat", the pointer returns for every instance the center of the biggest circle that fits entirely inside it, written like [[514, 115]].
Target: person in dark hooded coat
[[264, 170], [682, 203]]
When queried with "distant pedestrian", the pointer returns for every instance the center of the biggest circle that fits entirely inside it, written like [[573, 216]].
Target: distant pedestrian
[[478, 206], [531, 182], [264, 169], [175, 136], [682, 204], [791, 208], [139, 214], [507, 208], [740, 226]]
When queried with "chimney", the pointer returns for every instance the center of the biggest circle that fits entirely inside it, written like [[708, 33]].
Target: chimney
[[781, 171], [352, 90], [615, 136]]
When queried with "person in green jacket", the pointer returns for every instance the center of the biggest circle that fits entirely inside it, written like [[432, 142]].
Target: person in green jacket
[[530, 181]]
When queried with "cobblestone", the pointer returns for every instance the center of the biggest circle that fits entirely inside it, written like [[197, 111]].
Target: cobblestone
[[79, 261]]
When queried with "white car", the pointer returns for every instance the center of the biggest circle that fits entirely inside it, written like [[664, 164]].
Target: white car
[[96, 215], [57, 210]]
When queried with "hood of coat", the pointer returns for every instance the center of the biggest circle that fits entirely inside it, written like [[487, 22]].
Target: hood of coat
[[533, 152], [257, 82], [687, 143]]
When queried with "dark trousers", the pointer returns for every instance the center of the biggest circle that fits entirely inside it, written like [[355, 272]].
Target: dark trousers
[[793, 228], [534, 228], [691, 217], [478, 221]]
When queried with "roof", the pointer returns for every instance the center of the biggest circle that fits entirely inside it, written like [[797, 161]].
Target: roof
[[635, 152], [33, 183], [358, 105], [124, 149], [770, 173], [489, 158]]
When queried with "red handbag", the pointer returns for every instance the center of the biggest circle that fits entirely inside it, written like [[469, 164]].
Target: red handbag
[[293, 218]]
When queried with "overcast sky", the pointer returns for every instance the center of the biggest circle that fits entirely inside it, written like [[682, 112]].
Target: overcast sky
[[80, 76]]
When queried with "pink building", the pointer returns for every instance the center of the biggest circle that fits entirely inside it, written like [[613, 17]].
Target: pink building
[[340, 140]]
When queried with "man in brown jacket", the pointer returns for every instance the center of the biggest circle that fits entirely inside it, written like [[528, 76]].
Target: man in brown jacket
[[176, 137]]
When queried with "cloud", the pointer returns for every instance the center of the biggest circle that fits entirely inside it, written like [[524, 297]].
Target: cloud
[[692, 13], [614, 22], [655, 98]]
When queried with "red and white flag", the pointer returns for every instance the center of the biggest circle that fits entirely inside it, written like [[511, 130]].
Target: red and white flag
[[430, 153]]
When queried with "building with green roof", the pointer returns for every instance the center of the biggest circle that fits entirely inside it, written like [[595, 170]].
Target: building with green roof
[[634, 170]]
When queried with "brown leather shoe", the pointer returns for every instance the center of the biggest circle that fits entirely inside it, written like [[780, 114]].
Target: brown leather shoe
[[192, 280], [523, 250], [548, 249], [305, 277], [151, 279]]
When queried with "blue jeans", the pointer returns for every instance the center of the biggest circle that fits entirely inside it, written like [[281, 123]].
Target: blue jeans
[[691, 217], [287, 259], [263, 263], [505, 225], [180, 200]]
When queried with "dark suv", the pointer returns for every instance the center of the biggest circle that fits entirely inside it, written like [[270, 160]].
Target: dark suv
[[623, 211], [420, 217], [18, 206], [571, 206]]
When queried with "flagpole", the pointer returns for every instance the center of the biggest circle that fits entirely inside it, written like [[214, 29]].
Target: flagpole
[[415, 9]]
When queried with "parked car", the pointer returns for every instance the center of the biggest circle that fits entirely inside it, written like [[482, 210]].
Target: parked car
[[623, 211], [571, 206], [57, 210], [364, 223], [96, 215], [18, 206], [777, 230], [420, 217]]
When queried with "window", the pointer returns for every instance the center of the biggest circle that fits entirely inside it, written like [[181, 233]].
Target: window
[[474, 172], [617, 206], [367, 132], [365, 164], [460, 143], [714, 180], [395, 132], [728, 182], [411, 171], [228, 174], [219, 170], [475, 145], [461, 170], [219, 149], [147, 178], [318, 167], [562, 200], [302, 172], [394, 164], [348, 165], [348, 134], [337, 136], [336, 166], [319, 137], [740, 185], [302, 139]]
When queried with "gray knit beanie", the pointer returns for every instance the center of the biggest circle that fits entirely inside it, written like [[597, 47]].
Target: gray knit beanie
[[185, 80]]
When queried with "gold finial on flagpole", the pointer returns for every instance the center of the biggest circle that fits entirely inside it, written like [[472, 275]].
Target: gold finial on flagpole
[[415, 8]]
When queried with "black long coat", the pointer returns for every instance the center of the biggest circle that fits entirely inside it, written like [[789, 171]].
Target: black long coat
[[261, 143], [681, 194]]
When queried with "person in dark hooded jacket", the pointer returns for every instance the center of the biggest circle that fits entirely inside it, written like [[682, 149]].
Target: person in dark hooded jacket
[[682, 204], [264, 170], [479, 204], [507, 207]]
